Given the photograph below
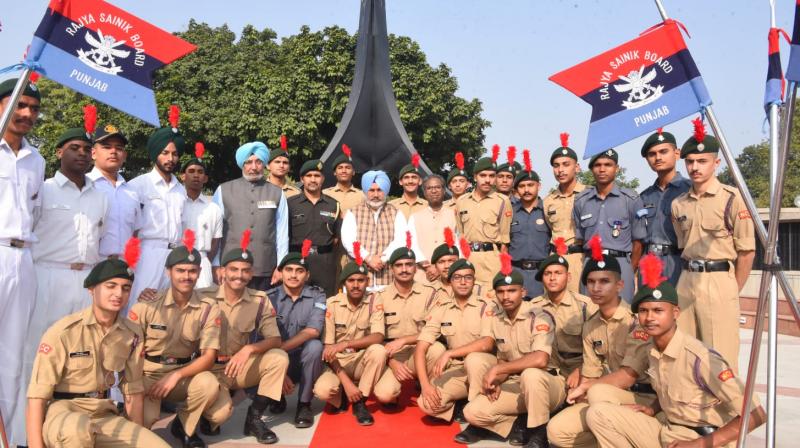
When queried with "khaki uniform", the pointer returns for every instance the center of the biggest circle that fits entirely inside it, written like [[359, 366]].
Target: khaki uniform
[[348, 199], [252, 314], [487, 220], [176, 334], [558, 214], [76, 356], [409, 208], [695, 387], [535, 391], [289, 190], [570, 315], [709, 301], [405, 316], [608, 345], [458, 327], [345, 322]]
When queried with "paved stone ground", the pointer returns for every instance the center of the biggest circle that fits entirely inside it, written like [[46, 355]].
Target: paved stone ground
[[788, 406]]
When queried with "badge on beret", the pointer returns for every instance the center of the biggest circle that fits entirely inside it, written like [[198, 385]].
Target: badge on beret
[[610, 152], [564, 151], [508, 279], [244, 255], [657, 294], [560, 259], [601, 264], [319, 166], [701, 146], [190, 257], [660, 138], [361, 269]]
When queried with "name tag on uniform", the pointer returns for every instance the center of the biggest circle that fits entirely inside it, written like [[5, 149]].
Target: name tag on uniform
[[389, 314], [462, 212], [340, 325], [85, 354], [585, 217], [551, 211], [60, 207], [641, 212], [597, 344], [154, 196], [681, 218], [500, 341], [515, 223], [298, 216], [447, 324], [158, 327], [321, 306], [267, 204], [649, 205], [328, 214]]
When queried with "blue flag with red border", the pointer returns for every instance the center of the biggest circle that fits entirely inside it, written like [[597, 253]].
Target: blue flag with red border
[[773, 93], [793, 70], [103, 52], [637, 87]]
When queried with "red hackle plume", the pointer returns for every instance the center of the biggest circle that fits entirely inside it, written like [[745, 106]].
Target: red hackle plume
[[415, 160], [596, 245], [495, 152], [199, 150], [449, 237], [90, 118], [244, 243], [306, 249], [511, 154], [460, 161], [188, 239], [284, 144], [526, 159], [464, 246], [699, 129], [408, 240], [132, 252], [660, 131], [357, 253], [561, 246], [33, 78], [174, 116], [347, 151], [505, 264], [564, 139], [651, 268]]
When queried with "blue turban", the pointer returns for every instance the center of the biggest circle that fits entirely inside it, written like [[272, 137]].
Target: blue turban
[[245, 151], [375, 177]]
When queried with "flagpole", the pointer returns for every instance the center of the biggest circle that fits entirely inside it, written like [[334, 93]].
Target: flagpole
[[16, 94]]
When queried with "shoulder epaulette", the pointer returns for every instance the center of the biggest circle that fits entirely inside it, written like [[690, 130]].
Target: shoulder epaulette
[[629, 192]]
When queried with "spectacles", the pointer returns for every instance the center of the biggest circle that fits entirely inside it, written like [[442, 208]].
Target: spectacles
[[462, 278], [434, 187]]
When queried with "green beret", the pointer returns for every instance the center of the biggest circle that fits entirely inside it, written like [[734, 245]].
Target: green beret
[[401, 253], [181, 255], [7, 87], [525, 175], [293, 258], [275, 153], [664, 292], [349, 269], [709, 145], [484, 164], [608, 154], [563, 151], [193, 161], [460, 264], [549, 261], [311, 165], [73, 134], [162, 137], [443, 250], [608, 263], [515, 278], [237, 255], [456, 173], [406, 170], [108, 269], [514, 168], [340, 159], [657, 138]]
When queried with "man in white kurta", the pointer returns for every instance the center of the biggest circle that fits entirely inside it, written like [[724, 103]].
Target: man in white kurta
[[203, 216], [21, 177]]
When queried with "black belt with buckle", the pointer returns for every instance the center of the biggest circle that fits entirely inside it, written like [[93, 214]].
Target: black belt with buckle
[[706, 265], [73, 395], [574, 249], [642, 388], [15, 243], [168, 360], [484, 247], [569, 355], [314, 249], [663, 249], [528, 265], [610, 253], [702, 431], [553, 372]]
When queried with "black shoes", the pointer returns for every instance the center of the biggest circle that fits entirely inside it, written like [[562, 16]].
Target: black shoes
[[458, 411], [342, 404], [304, 417], [278, 407], [193, 441], [363, 417], [538, 437], [519, 431], [255, 424], [205, 427], [473, 434]]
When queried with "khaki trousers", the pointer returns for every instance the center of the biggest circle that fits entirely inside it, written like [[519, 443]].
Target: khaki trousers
[[618, 427], [459, 381], [199, 395], [575, 268], [69, 425], [487, 264], [364, 367], [388, 387]]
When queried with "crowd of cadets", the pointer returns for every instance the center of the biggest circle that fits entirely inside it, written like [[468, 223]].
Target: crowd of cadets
[[525, 312]]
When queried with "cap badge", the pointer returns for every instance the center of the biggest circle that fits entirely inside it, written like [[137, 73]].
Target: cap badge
[[190, 257], [657, 294], [660, 138], [564, 151], [508, 279], [111, 129], [610, 152], [601, 264], [560, 259], [244, 255], [701, 146]]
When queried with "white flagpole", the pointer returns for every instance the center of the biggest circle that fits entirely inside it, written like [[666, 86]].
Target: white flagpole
[[22, 83]]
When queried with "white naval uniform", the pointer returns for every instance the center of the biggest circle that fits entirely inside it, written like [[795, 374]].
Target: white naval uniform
[[123, 211], [21, 178], [204, 217], [160, 229]]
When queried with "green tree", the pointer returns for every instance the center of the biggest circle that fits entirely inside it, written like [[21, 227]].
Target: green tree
[[255, 88], [754, 164], [622, 180]]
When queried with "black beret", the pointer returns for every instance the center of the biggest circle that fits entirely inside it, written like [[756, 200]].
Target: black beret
[[7, 88], [549, 261], [608, 263], [237, 254], [460, 264], [563, 151], [525, 175], [311, 165], [294, 258], [350, 269], [181, 255], [443, 250], [608, 154], [401, 253], [484, 164], [515, 278], [657, 138], [664, 292], [73, 134], [108, 269]]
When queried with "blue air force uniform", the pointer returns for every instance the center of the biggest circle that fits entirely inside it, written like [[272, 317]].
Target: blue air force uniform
[[530, 243]]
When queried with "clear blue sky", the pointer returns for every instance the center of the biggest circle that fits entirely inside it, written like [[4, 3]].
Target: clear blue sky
[[503, 51]]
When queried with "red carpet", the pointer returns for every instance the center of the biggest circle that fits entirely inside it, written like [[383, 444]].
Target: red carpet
[[402, 428]]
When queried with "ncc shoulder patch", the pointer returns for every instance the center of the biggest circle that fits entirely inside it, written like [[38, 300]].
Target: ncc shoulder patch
[[642, 335], [725, 375], [744, 214], [543, 327], [45, 348], [489, 313], [378, 307], [218, 322], [509, 213], [328, 313], [133, 316]]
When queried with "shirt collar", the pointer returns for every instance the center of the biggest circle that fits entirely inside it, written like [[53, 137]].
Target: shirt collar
[[522, 314], [89, 318], [578, 188], [25, 148], [95, 175], [674, 347], [194, 299], [202, 198], [61, 180], [156, 178], [517, 205], [620, 313]]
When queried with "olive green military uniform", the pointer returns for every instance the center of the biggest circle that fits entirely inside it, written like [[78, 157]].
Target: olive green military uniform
[[570, 315], [484, 222], [535, 391], [558, 213], [74, 369], [345, 322], [172, 337]]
